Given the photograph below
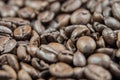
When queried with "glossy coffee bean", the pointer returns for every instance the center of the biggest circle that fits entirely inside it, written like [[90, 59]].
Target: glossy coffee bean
[[86, 45], [100, 59], [94, 72], [61, 70], [80, 16]]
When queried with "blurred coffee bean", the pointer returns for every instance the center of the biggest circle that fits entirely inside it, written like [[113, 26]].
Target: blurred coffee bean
[[35, 4], [118, 40], [109, 36], [79, 59], [80, 16], [8, 11], [46, 16], [39, 64], [78, 72], [26, 13], [22, 32], [23, 75], [98, 17], [86, 45], [112, 23], [70, 45], [70, 5], [94, 72], [62, 20], [38, 27], [61, 70], [99, 59], [19, 3], [65, 56], [6, 30], [107, 11], [57, 46], [115, 69], [47, 53], [11, 71], [4, 75], [116, 10], [100, 43], [29, 69], [22, 54], [55, 7]]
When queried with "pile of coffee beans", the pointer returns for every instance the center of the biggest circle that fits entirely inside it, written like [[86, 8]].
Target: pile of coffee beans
[[59, 39]]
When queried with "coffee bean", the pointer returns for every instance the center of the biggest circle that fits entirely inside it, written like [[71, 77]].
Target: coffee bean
[[94, 72], [86, 45], [99, 59], [61, 70], [80, 16]]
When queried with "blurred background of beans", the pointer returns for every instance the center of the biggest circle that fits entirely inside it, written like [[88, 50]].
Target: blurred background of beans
[[59, 39]]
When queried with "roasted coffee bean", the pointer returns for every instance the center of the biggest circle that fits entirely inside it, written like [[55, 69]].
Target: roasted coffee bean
[[107, 12], [23, 75], [116, 10], [61, 70], [46, 16], [70, 45], [118, 40], [6, 30], [47, 53], [55, 7], [70, 5], [27, 13], [35, 4], [11, 71], [80, 16], [94, 72], [29, 69], [39, 64], [66, 56], [19, 3], [22, 32], [8, 11], [22, 54], [115, 69], [109, 36], [78, 72], [79, 59], [99, 59], [100, 43], [4, 75], [86, 45], [112, 23]]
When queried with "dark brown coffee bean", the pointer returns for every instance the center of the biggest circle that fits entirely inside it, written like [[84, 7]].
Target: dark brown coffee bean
[[109, 36], [86, 45], [16, 21], [118, 40], [61, 70], [112, 23], [22, 32], [62, 20], [39, 64], [38, 27], [46, 16], [11, 71], [70, 45], [4, 75], [29, 69], [23, 75], [78, 72], [100, 43], [65, 56], [79, 59], [22, 54], [35, 4], [83, 30], [55, 7], [99, 59], [94, 72], [116, 10], [8, 11], [27, 13], [70, 5], [97, 16], [57, 46], [115, 69], [19, 3], [47, 53], [80, 16]]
